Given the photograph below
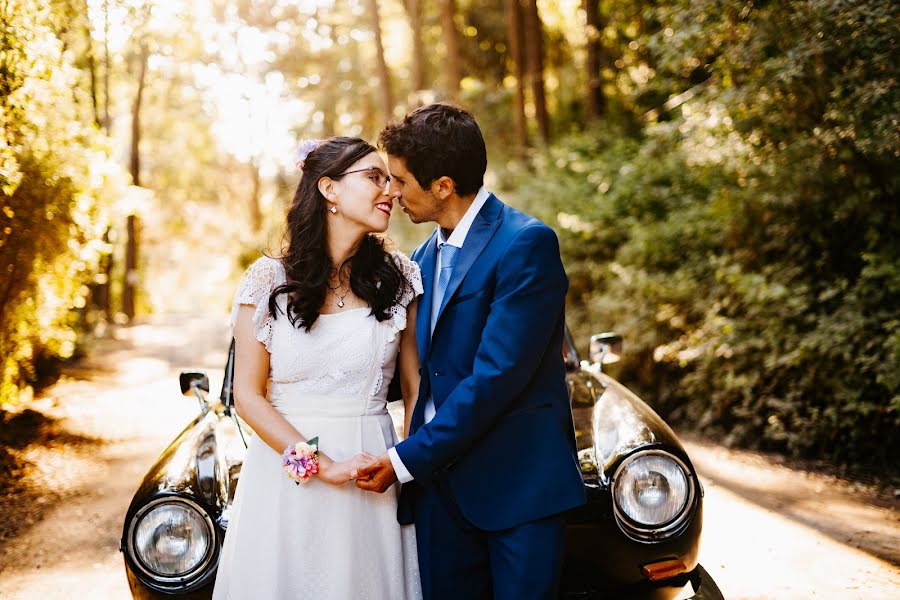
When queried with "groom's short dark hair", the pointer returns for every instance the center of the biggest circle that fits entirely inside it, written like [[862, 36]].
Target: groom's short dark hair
[[438, 140]]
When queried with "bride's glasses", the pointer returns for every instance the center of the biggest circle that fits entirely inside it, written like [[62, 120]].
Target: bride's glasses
[[375, 175]]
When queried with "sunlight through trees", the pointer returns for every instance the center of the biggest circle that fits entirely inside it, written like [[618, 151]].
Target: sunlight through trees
[[720, 177]]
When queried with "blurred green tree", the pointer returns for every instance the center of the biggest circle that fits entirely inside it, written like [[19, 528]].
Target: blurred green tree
[[57, 183], [746, 237]]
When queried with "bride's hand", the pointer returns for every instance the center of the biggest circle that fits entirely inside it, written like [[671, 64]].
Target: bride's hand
[[341, 472]]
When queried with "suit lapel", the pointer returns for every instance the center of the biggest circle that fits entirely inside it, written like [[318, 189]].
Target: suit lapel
[[483, 227], [423, 315]]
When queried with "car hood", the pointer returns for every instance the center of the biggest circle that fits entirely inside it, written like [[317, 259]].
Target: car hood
[[202, 463], [611, 422]]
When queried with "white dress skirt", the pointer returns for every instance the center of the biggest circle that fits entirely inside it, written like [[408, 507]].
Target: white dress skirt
[[316, 540]]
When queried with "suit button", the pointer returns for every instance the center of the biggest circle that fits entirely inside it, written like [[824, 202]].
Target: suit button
[[436, 374]]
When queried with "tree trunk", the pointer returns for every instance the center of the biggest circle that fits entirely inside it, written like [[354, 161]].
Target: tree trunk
[[451, 41], [517, 59], [534, 49], [131, 275], [595, 102], [14, 277], [92, 69], [328, 85], [256, 186], [328, 121], [418, 59], [107, 65], [104, 296], [387, 98], [136, 116], [100, 289], [131, 246]]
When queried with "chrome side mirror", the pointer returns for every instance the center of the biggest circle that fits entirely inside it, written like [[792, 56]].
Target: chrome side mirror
[[193, 382], [191, 379], [605, 348]]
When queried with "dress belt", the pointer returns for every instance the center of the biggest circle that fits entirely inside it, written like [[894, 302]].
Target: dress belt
[[300, 406], [326, 406]]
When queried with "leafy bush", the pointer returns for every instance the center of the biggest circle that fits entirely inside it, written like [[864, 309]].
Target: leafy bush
[[749, 248], [55, 177]]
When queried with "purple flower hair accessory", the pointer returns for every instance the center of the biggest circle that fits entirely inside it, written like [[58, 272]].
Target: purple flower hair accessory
[[303, 150]]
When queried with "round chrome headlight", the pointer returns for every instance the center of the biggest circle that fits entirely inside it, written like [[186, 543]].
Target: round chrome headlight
[[652, 494], [171, 540]]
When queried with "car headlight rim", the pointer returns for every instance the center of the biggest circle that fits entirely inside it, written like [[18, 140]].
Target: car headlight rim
[[190, 575], [644, 532]]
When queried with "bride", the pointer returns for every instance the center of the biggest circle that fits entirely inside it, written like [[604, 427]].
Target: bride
[[318, 334]]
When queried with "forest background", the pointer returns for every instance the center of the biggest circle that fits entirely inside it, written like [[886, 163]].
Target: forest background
[[720, 174]]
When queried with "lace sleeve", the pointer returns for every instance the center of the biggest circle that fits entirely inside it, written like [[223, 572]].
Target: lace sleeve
[[259, 280], [414, 277]]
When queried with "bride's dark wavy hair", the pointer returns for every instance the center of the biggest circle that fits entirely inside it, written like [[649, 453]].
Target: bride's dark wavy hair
[[374, 275]]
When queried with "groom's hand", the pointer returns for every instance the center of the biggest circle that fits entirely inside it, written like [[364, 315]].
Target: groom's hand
[[377, 476]]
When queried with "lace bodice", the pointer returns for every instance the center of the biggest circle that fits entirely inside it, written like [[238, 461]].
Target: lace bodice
[[349, 353]]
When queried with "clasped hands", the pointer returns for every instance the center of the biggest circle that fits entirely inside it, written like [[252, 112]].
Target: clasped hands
[[375, 474]]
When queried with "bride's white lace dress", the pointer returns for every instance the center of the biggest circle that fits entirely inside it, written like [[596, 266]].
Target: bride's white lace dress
[[316, 540]]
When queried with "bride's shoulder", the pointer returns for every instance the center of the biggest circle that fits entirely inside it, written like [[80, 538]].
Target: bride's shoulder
[[259, 281], [402, 260], [409, 267], [410, 270], [264, 273], [266, 267]]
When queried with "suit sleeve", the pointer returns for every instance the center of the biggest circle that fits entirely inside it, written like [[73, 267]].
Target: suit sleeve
[[529, 300]]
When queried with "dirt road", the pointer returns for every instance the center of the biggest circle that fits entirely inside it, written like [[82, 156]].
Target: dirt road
[[769, 532], [95, 434]]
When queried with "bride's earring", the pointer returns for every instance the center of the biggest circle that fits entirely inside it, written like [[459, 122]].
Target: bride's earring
[[333, 209]]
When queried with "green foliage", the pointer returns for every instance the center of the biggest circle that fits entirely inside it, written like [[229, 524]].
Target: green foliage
[[733, 213], [749, 246], [55, 180]]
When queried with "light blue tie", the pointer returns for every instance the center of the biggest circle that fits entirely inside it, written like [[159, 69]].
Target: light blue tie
[[448, 259]]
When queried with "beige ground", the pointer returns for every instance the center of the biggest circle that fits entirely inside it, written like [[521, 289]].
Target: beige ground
[[773, 532], [770, 531]]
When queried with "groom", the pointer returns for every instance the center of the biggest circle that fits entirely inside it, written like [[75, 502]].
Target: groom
[[489, 466]]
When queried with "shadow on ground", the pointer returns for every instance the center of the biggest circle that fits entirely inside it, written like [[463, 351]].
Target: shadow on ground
[[854, 513], [70, 460], [18, 430], [22, 433]]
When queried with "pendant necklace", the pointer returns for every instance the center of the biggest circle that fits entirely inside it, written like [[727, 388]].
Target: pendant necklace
[[340, 297]]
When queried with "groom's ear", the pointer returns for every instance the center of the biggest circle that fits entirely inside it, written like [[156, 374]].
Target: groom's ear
[[443, 187]]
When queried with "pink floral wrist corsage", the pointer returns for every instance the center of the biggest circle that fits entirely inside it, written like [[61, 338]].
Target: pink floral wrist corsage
[[301, 460]]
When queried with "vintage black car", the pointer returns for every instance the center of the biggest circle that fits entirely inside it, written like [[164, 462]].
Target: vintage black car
[[637, 537]]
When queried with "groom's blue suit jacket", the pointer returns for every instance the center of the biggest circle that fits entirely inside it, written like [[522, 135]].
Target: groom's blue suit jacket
[[502, 441]]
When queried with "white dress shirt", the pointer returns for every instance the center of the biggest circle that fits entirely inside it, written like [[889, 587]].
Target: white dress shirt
[[457, 238]]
